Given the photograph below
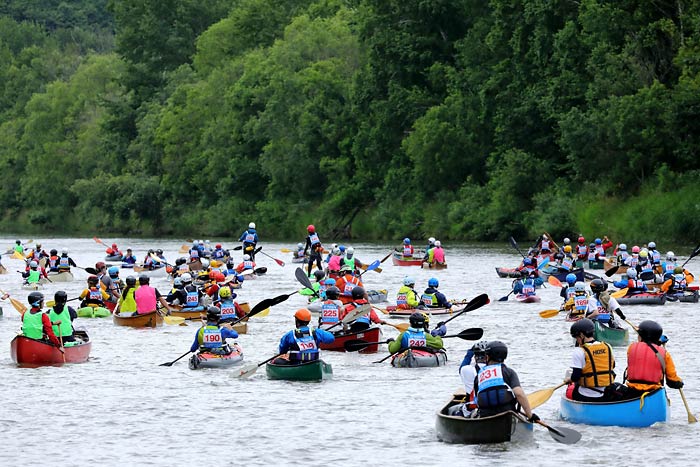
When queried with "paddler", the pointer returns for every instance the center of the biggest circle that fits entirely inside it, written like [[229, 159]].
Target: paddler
[[230, 310], [116, 285], [129, 257], [606, 306], [314, 249], [331, 309], [65, 262], [474, 359], [19, 248], [35, 323], [407, 249], [416, 336], [632, 284], [432, 298], [94, 296], [62, 316], [301, 343], [113, 250], [350, 261], [359, 298], [53, 261], [147, 297], [592, 365], [246, 264], [316, 292], [127, 302], [33, 273], [525, 285], [346, 283], [436, 255], [250, 240], [406, 297], [212, 337]]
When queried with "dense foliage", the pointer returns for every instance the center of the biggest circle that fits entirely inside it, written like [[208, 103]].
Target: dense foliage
[[463, 119]]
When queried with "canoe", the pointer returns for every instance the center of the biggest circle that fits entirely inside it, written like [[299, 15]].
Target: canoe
[[33, 353], [368, 335], [434, 266], [399, 260], [90, 312], [212, 360], [157, 272], [527, 298], [611, 263], [644, 298], [561, 276], [419, 358], [113, 258], [65, 276], [579, 263], [507, 272], [33, 286], [399, 313], [501, 428], [687, 296], [637, 412], [600, 264], [377, 296], [308, 371], [616, 337], [195, 313], [147, 320]]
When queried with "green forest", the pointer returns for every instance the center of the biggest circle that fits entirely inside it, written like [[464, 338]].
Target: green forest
[[372, 119]]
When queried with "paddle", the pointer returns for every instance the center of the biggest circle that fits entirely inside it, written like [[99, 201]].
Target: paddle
[[561, 434], [611, 272], [691, 417], [399, 327], [620, 293], [647, 275], [538, 398], [351, 316], [514, 244], [304, 280], [373, 266], [549, 313], [178, 358], [52, 303], [554, 281], [695, 252], [19, 306], [97, 240], [470, 334], [505, 298], [278, 261]]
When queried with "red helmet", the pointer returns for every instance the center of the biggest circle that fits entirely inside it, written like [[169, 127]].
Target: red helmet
[[100, 265], [311, 228], [218, 245], [92, 280], [114, 245], [217, 276], [581, 240]]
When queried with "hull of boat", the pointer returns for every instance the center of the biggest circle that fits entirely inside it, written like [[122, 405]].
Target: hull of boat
[[213, 360], [638, 412], [368, 335], [33, 353], [616, 337], [147, 320], [309, 371], [505, 427], [417, 358]]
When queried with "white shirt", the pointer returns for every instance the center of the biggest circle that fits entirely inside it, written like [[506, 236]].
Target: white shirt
[[578, 360]]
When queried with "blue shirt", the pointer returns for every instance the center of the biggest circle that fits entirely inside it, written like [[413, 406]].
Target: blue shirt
[[225, 333], [249, 231], [288, 342]]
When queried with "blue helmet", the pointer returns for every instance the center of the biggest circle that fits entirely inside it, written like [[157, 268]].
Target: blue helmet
[[571, 279], [113, 271], [527, 261], [406, 241], [342, 248], [433, 282], [330, 282], [598, 241]]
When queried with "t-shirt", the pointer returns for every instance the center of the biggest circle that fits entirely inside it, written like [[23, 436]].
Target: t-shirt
[[578, 360]]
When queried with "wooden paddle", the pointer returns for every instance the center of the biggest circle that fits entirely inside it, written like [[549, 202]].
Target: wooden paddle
[[470, 334], [399, 327], [691, 417], [538, 398], [278, 261], [352, 316], [19, 306], [549, 313], [620, 293]]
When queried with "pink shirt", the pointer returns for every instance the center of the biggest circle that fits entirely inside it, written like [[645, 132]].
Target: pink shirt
[[439, 255], [145, 297]]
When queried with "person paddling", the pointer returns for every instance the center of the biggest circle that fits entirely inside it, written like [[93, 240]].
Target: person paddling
[[93, 296], [127, 302], [212, 337], [148, 297], [406, 297], [592, 365], [359, 298], [249, 238], [61, 317], [301, 344], [35, 323], [416, 336]]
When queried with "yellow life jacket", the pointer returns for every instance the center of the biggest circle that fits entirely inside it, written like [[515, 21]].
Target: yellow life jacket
[[598, 371]]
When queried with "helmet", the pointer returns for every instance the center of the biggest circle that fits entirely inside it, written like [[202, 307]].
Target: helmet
[[113, 271], [406, 241], [60, 296], [332, 293], [144, 279], [246, 257], [177, 283], [598, 285], [35, 298], [342, 248], [230, 264], [652, 245], [159, 251], [567, 249], [207, 242], [213, 313], [151, 250], [479, 350], [33, 264], [53, 252], [114, 245], [350, 251], [251, 225], [300, 246], [583, 326], [408, 280], [567, 241], [194, 244], [358, 293], [678, 270], [310, 228], [330, 282], [18, 242], [598, 241], [92, 280], [635, 249], [180, 261], [571, 278], [581, 240], [527, 261], [100, 265], [671, 256], [217, 276], [336, 251], [650, 331], [631, 273], [218, 245], [438, 244], [38, 246], [205, 263], [346, 269], [644, 253], [201, 242], [319, 274], [433, 282], [580, 287], [431, 240], [497, 351], [131, 280], [303, 314], [225, 292], [186, 278], [417, 320], [426, 317], [623, 247]]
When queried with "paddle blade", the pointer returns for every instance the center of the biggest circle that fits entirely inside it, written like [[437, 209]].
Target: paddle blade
[[646, 276], [173, 320], [620, 293], [554, 281], [374, 265], [504, 298], [16, 255], [303, 278], [549, 313], [562, 435], [471, 334], [477, 302], [538, 398], [399, 327], [19, 306], [167, 364], [246, 371], [238, 248], [279, 261], [356, 345], [611, 272], [92, 271], [285, 250], [513, 243], [263, 313]]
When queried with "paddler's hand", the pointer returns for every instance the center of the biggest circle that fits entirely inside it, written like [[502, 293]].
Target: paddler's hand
[[533, 418]]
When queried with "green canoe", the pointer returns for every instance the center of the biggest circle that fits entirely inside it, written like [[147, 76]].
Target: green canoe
[[309, 371], [613, 336], [90, 312]]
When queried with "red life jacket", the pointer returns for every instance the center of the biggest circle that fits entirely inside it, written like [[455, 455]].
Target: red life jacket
[[643, 366]]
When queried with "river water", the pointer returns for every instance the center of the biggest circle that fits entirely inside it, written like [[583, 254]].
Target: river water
[[122, 408]]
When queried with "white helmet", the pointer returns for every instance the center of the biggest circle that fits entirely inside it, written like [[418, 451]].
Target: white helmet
[[246, 257], [251, 225], [201, 242], [207, 242], [300, 246], [567, 241], [544, 236], [580, 287], [671, 256], [64, 251], [336, 251], [205, 263], [437, 243], [652, 245], [408, 280], [631, 273], [33, 264], [623, 247], [350, 251], [431, 240], [186, 278]]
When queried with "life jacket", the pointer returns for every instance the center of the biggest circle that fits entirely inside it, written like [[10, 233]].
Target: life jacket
[[330, 313], [679, 282], [53, 262], [348, 284], [249, 237], [528, 287], [643, 364], [570, 292], [604, 315], [438, 255], [567, 263], [635, 284], [128, 302], [623, 256], [145, 297], [545, 245], [209, 337], [598, 370], [194, 253], [600, 251], [413, 338], [248, 265], [655, 256], [580, 305], [33, 277], [364, 318], [33, 325], [349, 262], [93, 298], [315, 242], [334, 263], [228, 309], [429, 299], [632, 261], [408, 250], [668, 267], [65, 329], [592, 256], [306, 348], [218, 253], [192, 297], [582, 251], [492, 390]]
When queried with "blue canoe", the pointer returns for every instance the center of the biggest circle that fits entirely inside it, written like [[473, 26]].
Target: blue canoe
[[639, 412]]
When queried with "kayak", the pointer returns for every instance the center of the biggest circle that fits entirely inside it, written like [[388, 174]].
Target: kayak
[[194, 313], [419, 358], [399, 313], [434, 265], [686, 296], [213, 360], [507, 272], [147, 320], [377, 296], [644, 298], [90, 312], [368, 335], [34, 353], [65, 276], [616, 337], [307, 371], [501, 428], [638, 412], [113, 258], [527, 298], [300, 259], [399, 260]]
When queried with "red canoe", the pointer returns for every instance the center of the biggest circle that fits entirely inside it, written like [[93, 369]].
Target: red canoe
[[399, 260], [527, 298], [28, 352], [369, 335]]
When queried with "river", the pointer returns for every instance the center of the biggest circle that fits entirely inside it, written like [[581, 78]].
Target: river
[[122, 408]]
